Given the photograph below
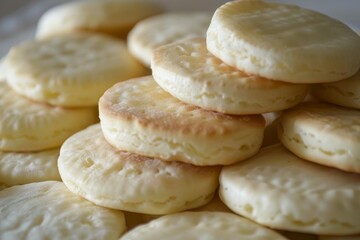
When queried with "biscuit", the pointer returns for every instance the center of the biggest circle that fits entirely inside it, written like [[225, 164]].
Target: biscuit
[[111, 17], [277, 189], [192, 74], [323, 133], [138, 116], [201, 225], [31, 126], [136, 219], [71, 71], [163, 29], [283, 42], [92, 168], [344, 93], [48, 210], [21, 168]]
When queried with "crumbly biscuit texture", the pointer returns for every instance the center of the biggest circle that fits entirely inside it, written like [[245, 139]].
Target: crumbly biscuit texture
[[166, 28], [48, 210], [71, 70], [323, 133], [344, 93], [138, 116], [111, 17], [31, 126], [278, 189], [22, 168], [92, 168], [202, 225], [283, 42]]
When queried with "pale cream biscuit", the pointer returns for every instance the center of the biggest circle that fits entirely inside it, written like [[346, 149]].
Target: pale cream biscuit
[[345, 93], [354, 237], [163, 29], [201, 225], [283, 42], [275, 188], [323, 133], [189, 72], [21, 168], [113, 17], [138, 116], [72, 70], [31, 126], [92, 168], [136, 219], [48, 210]]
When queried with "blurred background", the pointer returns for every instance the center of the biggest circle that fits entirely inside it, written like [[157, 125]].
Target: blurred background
[[18, 18]]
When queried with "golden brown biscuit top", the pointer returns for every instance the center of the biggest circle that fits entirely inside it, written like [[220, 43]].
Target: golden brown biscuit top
[[143, 102]]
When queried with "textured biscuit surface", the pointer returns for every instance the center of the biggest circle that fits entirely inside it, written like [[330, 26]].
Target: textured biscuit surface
[[283, 42], [192, 74], [21, 168], [163, 29], [138, 116], [277, 189], [344, 93], [30, 126], [70, 70], [111, 17], [202, 225], [92, 168], [48, 210], [323, 133]]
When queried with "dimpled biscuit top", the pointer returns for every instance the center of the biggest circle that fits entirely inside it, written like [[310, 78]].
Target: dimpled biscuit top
[[70, 70], [283, 42], [32, 126], [48, 210], [278, 189], [202, 225], [92, 168]]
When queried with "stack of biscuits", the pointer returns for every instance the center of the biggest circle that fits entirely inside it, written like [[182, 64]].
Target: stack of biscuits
[[180, 154]]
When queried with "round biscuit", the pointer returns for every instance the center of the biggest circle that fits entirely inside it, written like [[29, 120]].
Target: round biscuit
[[283, 42], [189, 72], [138, 116], [22, 168], [31, 126], [112, 17], [323, 133], [201, 225], [48, 210], [344, 93], [166, 28], [70, 70], [92, 168], [275, 188]]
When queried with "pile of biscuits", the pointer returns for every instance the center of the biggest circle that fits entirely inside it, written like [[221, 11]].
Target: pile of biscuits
[[182, 153]]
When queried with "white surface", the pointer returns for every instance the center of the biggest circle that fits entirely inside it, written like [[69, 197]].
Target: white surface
[[18, 23]]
